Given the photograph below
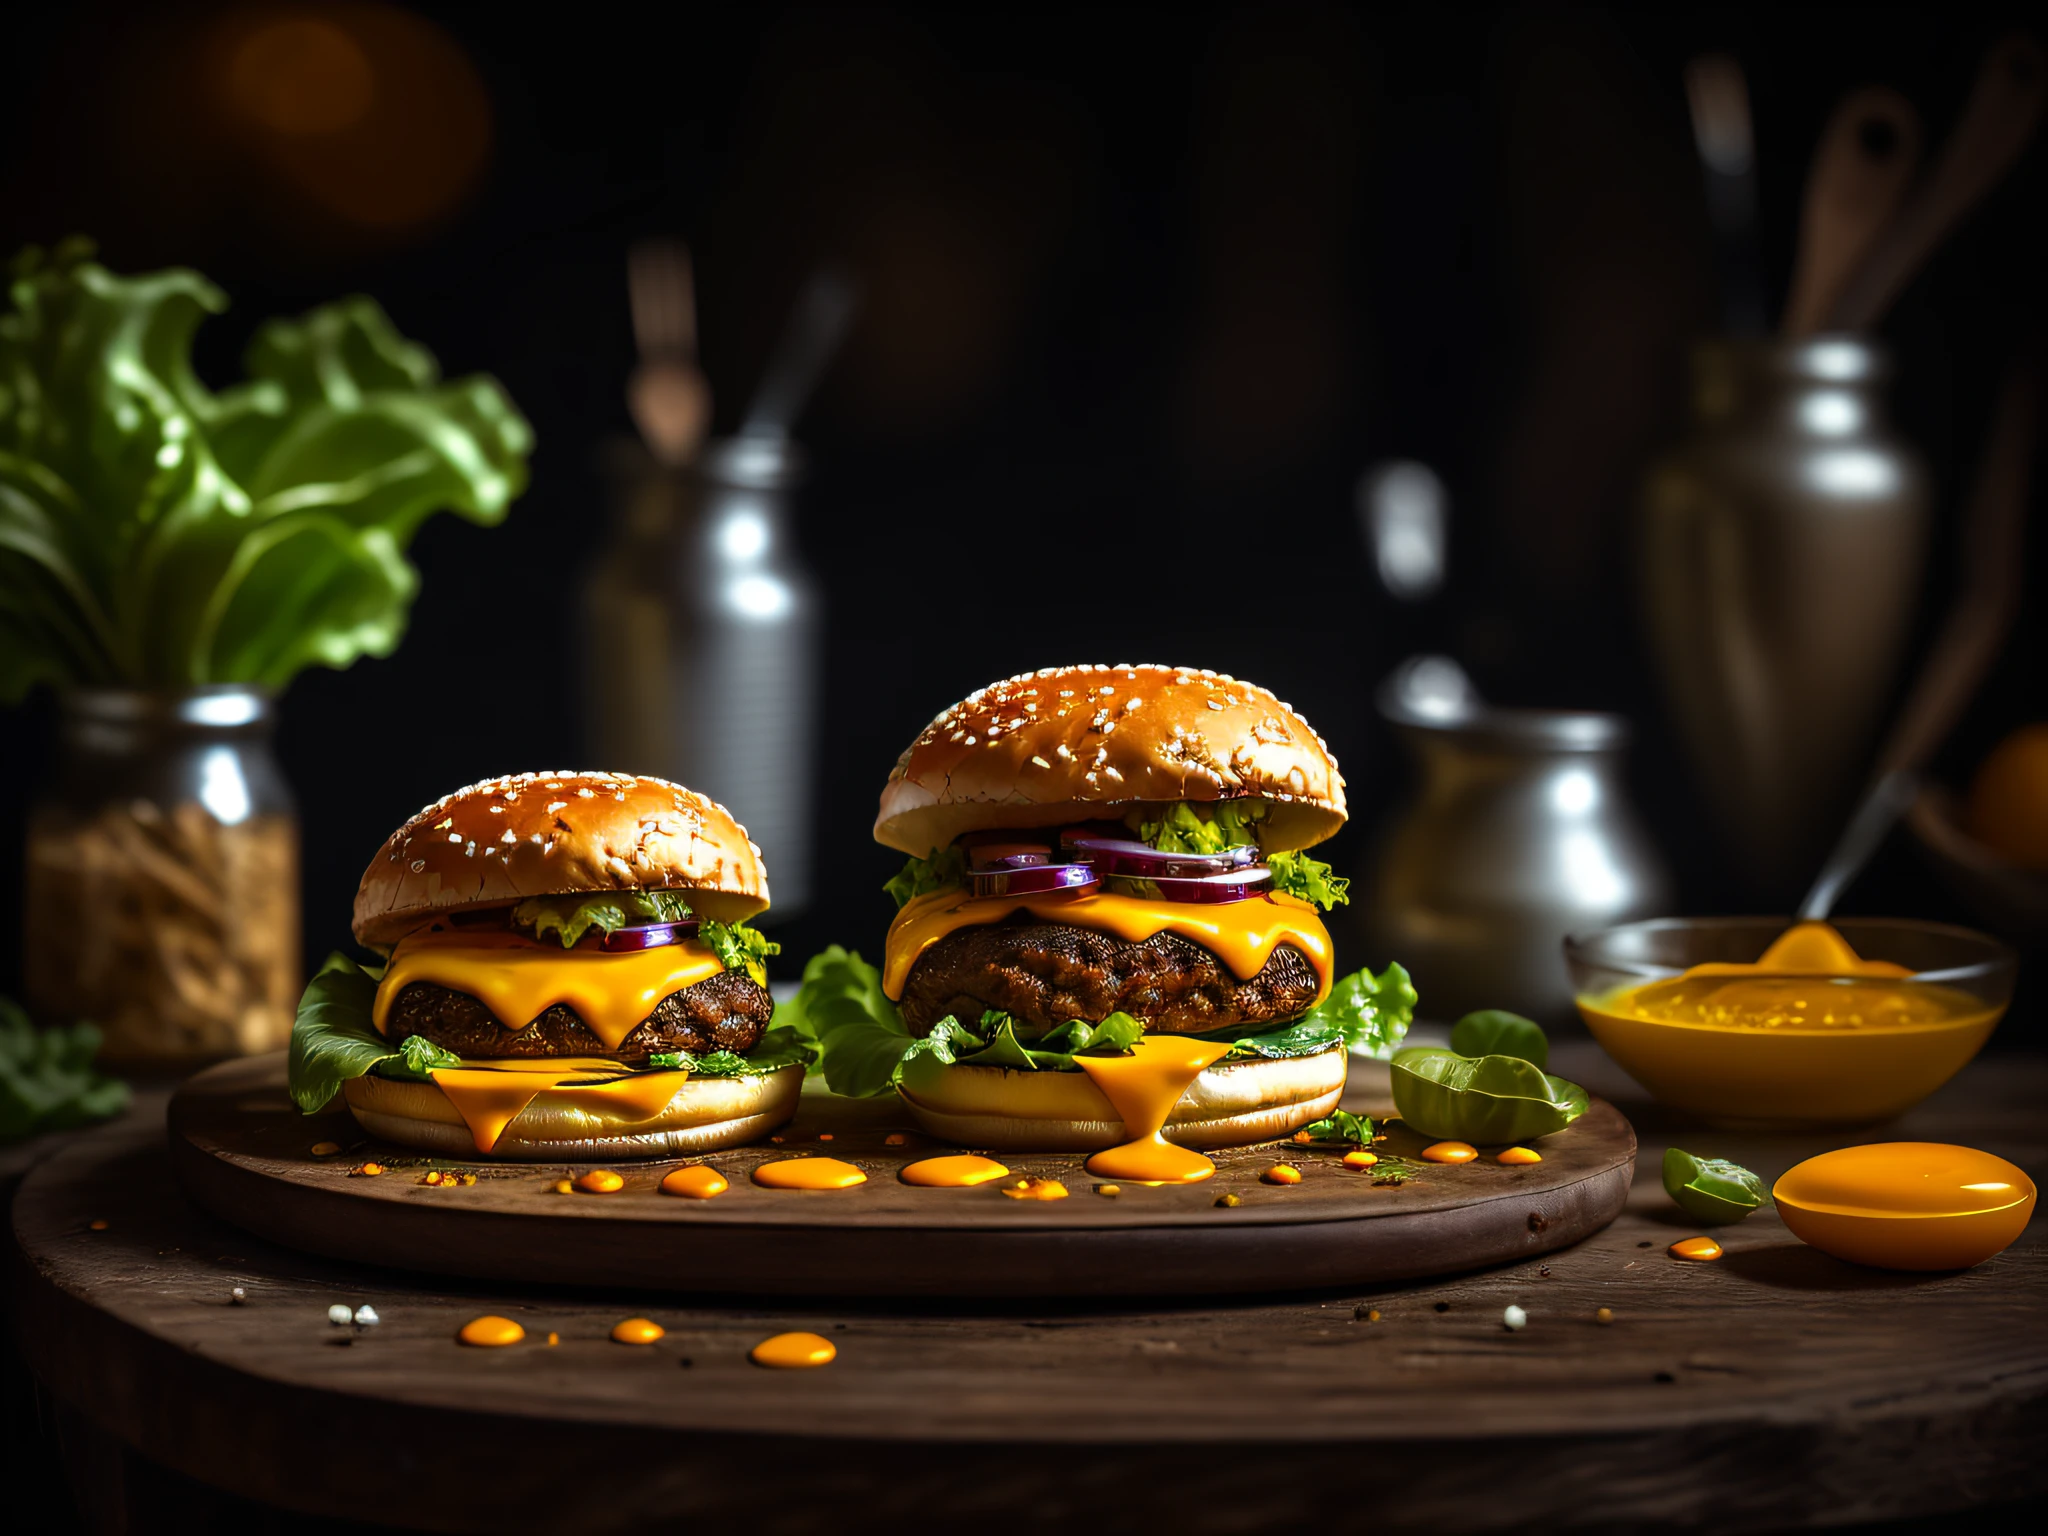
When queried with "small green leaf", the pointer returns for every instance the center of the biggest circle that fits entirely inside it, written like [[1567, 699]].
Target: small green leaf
[[1711, 1189], [920, 877], [1494, 1032], [1339, 1128], [1371, 1012], [1486, 1100]]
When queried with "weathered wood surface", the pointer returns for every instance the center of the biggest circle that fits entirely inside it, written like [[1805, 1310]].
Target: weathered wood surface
[[1775, 1388], [240, 1149]]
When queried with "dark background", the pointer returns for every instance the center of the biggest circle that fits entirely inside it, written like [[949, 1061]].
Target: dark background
[[1146, 292]]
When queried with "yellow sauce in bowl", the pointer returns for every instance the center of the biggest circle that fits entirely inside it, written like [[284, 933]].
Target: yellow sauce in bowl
[[1809, 1035]]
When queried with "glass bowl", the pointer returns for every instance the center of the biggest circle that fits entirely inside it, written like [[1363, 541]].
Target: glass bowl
[[1786, 1076]]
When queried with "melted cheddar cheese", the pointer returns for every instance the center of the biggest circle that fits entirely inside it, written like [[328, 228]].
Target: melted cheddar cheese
[[1242, 934], [489, 1099], [519, 979]]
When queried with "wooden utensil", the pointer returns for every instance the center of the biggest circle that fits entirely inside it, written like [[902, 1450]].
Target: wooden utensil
[[1985, 605], [667, 393], [1719, 99], [1861, 168], [1996, 127]]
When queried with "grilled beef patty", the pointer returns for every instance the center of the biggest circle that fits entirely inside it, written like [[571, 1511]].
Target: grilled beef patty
[[1045, 974], [726, 1013]]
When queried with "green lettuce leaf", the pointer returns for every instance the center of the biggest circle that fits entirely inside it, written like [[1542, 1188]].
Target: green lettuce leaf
[[1304, 1037], [1213, 828], [740, 948], [569, 918], [920, 877], [47, 1079], [1338, 1128], [155, 533], [1298, 875], [1372, 1013]]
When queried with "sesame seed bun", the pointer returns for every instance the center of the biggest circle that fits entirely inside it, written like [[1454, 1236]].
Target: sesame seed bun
[[706, 1114], [1070, 744], [559, 834], [1232, 1104]]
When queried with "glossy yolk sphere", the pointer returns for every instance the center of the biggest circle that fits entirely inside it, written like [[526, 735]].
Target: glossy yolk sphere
[[637, 1330], [1450, 1152], [794, 1351], [1917, 1205]]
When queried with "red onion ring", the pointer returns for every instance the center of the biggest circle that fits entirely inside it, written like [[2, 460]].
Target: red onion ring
[[1230, 885], [1127, 856], [1034, 880], [1009, 855], [648, 936]]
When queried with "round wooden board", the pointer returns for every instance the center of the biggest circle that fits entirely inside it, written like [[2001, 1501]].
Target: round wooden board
[[243, 1152]]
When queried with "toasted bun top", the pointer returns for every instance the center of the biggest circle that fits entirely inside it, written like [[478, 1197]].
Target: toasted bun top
[[559, 834], [1076, 743]]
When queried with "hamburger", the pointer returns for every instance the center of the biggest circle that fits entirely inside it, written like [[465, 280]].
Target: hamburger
[[1100, 856], [567, 972]]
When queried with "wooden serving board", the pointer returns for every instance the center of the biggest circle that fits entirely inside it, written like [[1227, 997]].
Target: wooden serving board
[[241, 1150]]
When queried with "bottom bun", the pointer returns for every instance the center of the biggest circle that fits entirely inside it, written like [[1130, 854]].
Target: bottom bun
[[1234, 1104], [560, 1124]]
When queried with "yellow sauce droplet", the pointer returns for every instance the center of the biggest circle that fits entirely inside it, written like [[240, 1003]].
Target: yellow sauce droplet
[[1917, 1205], [326, 1148], [1450, 1152], [953, 1172], [600, 1181], [808, 1173], [1143, 1087], [1701, 1249], [1281, 1173], [637, 1330], [696, 1182], [794, 1351], [1360, 1159], [1518, 1157], [491, 1331], [1037, 1189]]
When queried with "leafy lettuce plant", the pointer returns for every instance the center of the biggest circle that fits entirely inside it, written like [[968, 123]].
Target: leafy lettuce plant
[[156, 533]]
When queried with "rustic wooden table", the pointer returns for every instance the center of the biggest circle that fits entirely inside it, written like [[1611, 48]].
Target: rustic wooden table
[[1775, 1388]]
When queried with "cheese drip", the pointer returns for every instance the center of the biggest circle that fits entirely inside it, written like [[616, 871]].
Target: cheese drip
[[519, 979], [490, 1099], [1143, 1087], [1242, 934]]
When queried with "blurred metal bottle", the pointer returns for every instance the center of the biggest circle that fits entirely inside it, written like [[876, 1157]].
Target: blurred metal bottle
[[1780, 555], [702, 643], [1519, 833]]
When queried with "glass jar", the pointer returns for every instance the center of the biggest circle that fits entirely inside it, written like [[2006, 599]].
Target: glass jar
[[1781, 552], [162, 892]]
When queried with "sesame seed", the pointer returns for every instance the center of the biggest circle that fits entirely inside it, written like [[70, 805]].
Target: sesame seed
[[1040, 761], [454, 837], [509, 837], [557, 805]]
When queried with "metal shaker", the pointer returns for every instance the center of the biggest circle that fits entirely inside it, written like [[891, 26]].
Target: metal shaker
[[702, 644], [1520, 832], [1780, 554]]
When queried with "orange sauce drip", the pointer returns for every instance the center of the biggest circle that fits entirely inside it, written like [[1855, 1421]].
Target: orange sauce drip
[[794, 1351], [1360, 1159], [1243, 934], [637, 1330], [519, 979], [600, 1181], [1517, 1157], [1699, 1249], [957, 1172], [490, 1098], [491, 1332], [696, 1182], [1143, 1087], [1281, 1173], [1450, 1152], [808, 1173], [1040, 1189], [1805, 949]]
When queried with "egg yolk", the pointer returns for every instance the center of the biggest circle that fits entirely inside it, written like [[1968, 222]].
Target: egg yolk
[[808, 1173], [794, 1351]]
